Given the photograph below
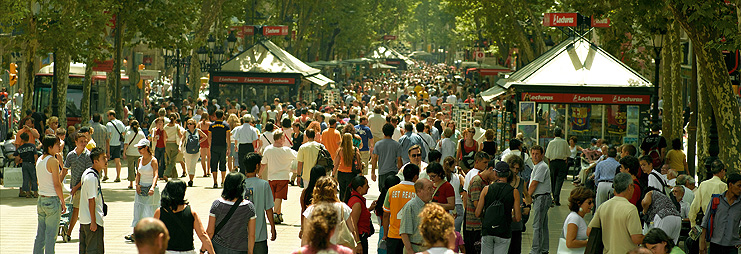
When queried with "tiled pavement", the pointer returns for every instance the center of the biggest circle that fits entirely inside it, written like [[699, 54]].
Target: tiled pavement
[[18, 219]]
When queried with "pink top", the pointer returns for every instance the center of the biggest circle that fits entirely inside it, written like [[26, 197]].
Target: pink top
[[337, 248]]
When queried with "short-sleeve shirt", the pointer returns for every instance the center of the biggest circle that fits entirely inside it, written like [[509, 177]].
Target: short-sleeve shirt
[[388, 151], [90, 189], [235, 232], [410, 220], [574, 218], [396, 198], [618, 219], [258, 192], [651, 141], [115, 135], [365, 135], [473, 223], [540, 174], [100, 134], [218, 131], [77, 163], [331, 139], [443, 193], [27, 152], [279, 160], [676, 159], [307, 154]]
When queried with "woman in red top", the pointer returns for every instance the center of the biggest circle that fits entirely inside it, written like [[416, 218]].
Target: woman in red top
[[630, 165], [205, 151], [444, 194], [159, 136], [360, 213], [467, 145]]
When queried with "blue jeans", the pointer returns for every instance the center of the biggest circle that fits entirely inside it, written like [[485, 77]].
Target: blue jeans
[[541, 204], [29, 177], [159, 154], [49, 210]]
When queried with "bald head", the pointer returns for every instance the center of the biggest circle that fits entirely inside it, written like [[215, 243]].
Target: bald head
[[151, 236], [424, 189]]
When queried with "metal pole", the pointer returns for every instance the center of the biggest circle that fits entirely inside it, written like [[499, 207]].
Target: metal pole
[[692, 126], [55, 87], [655, 112]]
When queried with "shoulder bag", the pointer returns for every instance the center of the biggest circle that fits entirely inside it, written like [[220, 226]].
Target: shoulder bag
[[228, 216], [595, 244], [344, 235]]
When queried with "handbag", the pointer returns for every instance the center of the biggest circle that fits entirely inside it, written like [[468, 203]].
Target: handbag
[[594, 244], [562, 249], [344, 235]]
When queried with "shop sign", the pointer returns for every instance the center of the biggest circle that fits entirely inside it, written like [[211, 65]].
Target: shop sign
[[389, 37], [105, 66], [560, 19], [600, 22], [253, 80], [242, 30], [274, 30], [393, 62], [587, 98]]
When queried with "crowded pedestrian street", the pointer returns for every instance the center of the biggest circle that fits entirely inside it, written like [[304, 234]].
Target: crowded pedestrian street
[[364, 127]]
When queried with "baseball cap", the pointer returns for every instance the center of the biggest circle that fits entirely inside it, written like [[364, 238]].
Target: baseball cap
[[501, 167], [142, 143]]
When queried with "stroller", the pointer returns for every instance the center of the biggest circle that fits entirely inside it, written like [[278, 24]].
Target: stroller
[[64, 221]]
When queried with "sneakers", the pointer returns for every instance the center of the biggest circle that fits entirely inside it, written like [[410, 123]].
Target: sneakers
[[35, 194], [129, 237], [278, 218], [183, 175], [22, 194], [216, 186], [105, 178], [190, 183], [118, 180]]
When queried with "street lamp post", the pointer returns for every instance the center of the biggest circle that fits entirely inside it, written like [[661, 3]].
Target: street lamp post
[[174, 58], [657, 41], [212, 56]]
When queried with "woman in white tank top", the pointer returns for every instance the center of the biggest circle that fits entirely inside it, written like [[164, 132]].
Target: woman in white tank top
[[147, 197], [50, 205]]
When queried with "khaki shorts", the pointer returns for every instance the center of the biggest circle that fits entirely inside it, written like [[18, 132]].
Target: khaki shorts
[[365, 158], [76, 200]]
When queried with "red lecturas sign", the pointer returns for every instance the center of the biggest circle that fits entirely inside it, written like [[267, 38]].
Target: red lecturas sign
[[559, 19], [587, 98], [274, 30], [254, 80]]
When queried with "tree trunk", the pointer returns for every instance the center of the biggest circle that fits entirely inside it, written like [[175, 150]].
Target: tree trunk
[[666, 85], [677, 84], [30, 62], [63, 60], [723, 102], [211, 11], [116, 103], [86, 90]]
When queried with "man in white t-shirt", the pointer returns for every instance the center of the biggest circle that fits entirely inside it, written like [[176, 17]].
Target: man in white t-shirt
[[91, 202], [116, 129], [278, 159]]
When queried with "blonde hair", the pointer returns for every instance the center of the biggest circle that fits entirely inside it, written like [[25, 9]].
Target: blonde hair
[[51, 120], [325, 190], [435, 224], [347, 149], [233, 120]]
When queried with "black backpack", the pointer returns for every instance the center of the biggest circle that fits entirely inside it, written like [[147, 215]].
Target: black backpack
[[324, 159], [192, 143], [497, 218]]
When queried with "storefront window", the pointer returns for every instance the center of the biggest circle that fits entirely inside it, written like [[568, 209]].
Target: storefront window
[[585, 123], [259, 93], [550, 116]]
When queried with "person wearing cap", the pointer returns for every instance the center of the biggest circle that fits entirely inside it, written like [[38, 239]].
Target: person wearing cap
[[724, 227], [498, 241], [77, 160], [245, 136], [146, 199]]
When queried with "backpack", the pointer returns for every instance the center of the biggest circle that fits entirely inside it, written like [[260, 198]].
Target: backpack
[[714, 201], [192, 144], [655, 154], [324, 159], [497, 217]]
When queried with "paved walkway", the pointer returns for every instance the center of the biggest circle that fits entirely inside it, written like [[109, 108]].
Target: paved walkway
[[18, 218]]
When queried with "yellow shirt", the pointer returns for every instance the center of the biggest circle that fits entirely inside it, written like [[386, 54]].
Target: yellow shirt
[[396, 198], [618, 219], [703, 193], [676, 159]]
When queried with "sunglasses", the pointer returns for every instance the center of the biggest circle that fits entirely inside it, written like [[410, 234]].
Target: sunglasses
[[415, 155]]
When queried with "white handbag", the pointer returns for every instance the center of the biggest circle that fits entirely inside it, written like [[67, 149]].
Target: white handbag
[[562, 249], [12, 177]]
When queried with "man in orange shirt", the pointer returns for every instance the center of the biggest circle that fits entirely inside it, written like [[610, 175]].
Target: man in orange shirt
[[396, 198], [27, 127], [331, 138]]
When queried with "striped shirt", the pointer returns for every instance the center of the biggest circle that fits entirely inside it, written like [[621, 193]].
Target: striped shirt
[[77, 163], [100, 134]]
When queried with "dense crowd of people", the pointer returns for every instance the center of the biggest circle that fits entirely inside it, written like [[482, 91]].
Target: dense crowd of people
[[443, 189]]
